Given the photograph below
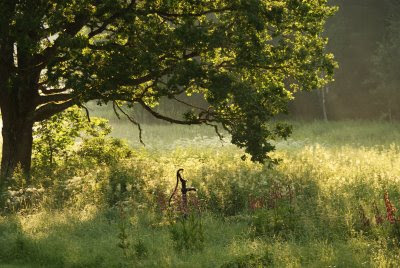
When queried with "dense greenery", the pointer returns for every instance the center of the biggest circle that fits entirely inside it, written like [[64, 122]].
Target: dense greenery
[[323, 205], [75, 192], [245, 57]]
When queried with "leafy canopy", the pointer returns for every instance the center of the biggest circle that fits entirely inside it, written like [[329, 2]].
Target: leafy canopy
[[246, 57]]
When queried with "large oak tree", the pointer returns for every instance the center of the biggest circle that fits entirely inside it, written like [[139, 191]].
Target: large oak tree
[[245, 56]]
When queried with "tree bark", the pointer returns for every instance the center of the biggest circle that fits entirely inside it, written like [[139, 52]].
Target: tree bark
[[17, 139]]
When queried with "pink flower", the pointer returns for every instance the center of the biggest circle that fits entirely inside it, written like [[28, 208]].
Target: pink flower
[[390, 209]]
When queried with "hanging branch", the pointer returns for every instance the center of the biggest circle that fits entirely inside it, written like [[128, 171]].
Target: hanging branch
[[115, 110], [115, 105], [220, 136], [169, 119], [188, 104], [87, 112]]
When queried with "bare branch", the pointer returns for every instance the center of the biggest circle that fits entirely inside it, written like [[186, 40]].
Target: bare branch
[[188, 104], [115, 110], [87, 112], [220, 136], [130, 118]]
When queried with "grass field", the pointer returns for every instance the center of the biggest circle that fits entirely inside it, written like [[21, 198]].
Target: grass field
[[322, 206]]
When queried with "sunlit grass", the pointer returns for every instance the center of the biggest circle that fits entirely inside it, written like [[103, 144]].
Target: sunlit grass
[[332, 134], [333, 167]]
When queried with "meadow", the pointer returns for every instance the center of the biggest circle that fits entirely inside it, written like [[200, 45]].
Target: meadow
[[330, 202]]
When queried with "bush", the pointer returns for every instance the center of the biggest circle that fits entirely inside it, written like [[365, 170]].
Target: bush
[[55, 139]]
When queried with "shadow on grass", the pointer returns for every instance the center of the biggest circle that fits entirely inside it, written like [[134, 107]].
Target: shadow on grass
[[60, 240], [310, 222]]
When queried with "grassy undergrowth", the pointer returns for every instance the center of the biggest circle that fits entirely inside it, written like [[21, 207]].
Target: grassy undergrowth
[[324, 205]]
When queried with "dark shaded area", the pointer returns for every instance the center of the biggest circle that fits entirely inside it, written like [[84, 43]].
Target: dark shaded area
[[355, 33]]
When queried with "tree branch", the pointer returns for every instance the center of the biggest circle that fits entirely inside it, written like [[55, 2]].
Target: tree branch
[[150, 76], [220, 136], [108, 21], [188, 104], [105, 47], [198, 14], [54, 98], [46, 111], [169, 119], [49, 91], [71, 29], [86, 110], [130, 118]]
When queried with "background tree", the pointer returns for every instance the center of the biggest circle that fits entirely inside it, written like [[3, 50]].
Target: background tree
[[245, 57], [354, 33], [386, 66]]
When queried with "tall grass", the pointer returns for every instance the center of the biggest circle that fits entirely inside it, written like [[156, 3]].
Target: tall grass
[[315, 209]]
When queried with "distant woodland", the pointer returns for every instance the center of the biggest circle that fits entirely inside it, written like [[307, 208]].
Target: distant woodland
[[364, 36]]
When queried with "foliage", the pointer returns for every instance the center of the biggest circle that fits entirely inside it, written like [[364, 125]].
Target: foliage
[[306, 210], [67, 147], [123, 184], [55, 138], [245, 58]]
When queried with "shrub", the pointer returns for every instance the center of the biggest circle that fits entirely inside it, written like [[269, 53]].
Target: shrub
[[55, 139]]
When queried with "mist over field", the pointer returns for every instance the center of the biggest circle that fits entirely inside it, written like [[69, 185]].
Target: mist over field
[[313, 184]]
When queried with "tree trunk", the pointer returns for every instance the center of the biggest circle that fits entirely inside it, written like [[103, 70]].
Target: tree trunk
[[17, 141], [323, 100], [390, 111]]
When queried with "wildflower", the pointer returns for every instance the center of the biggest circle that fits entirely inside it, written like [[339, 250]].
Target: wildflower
[[390, 209]]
